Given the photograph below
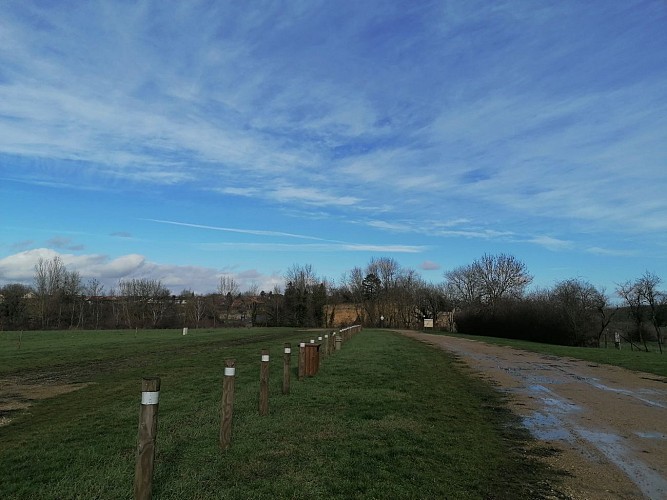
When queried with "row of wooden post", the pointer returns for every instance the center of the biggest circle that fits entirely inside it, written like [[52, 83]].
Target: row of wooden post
[[150, 393]]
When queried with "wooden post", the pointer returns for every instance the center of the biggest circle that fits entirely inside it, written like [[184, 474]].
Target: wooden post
[[339, 342], [325, 351], [302, 360], [264, 384], [143, 471], [287, 361], [227, 405]]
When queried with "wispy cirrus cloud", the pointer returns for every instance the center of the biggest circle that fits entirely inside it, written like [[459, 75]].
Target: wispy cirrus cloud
[[316, 247], [255, 232], [326, 245]]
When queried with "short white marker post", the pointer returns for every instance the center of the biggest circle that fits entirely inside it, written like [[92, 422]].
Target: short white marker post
[[302, 360], [287, 362], [264, 384], [185, 330], [227, 409], [145, 456]]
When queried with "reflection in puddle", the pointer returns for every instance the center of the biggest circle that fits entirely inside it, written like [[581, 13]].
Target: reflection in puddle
[[625, 392], [652, 484], [546, 427], [651, 435]]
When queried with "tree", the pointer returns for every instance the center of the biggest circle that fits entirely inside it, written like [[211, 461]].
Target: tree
[[371, 289], [645, 301], [49, 279], [352, 284], [228, 289], [305, 297], [500, 276], [433, 300], [95, 290], [14, 311], [631, 293], [463, 286], [579, 304], [656, 302], [488, 280], [72, 297], [144, 302]]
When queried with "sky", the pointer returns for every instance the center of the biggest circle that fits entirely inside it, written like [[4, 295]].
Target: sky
[[186, 141]]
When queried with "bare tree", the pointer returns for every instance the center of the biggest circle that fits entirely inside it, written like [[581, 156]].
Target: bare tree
[[49, 280], [305, 296], [144, 301], [94, 290], [501, 276], [353, 285], [579, 303], [228, 289], [464, 286], [631, 293], [655, 300]]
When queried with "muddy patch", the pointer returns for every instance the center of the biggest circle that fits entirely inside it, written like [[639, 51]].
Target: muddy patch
[[16, 395]]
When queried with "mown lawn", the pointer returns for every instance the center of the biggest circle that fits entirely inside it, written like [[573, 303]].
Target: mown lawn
[[386, 417]]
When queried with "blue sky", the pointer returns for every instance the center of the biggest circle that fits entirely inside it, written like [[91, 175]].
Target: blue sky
[[183, 141]]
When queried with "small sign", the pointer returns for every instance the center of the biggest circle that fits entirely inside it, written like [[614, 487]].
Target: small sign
[[428, 323]]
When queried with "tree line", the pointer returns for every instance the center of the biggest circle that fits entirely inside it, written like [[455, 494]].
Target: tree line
[[489, 296]]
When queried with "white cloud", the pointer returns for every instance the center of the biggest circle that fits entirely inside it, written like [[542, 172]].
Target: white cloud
[[611, 252], [311, 196], [550, 243], [20, 268], [428, 265]]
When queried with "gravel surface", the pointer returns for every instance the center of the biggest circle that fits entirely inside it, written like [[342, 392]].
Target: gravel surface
[[608, 424]]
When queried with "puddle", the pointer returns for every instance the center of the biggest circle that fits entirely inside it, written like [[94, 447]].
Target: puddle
[[651, 435], [651, 483], [547, 427], [625, 392]]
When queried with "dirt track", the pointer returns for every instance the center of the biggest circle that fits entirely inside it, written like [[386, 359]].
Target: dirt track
[[608, 424]]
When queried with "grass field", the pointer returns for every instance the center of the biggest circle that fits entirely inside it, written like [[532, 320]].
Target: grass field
[[649, 362], [386, 417]]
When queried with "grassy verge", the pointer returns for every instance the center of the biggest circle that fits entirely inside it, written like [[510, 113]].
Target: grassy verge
[[649, 362], [386, 417]]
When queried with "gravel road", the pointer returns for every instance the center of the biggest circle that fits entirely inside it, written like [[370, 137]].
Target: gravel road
[[608, 424]]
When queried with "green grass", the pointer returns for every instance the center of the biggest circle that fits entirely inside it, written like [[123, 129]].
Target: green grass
[[386, 417], [649, 362]]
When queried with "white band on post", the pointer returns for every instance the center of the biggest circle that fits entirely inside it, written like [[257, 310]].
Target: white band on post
[[265, 358], [326, 336], [230, 371], [319, 339], [302, 344], [150, 398], [288, 350], [312, 341]]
